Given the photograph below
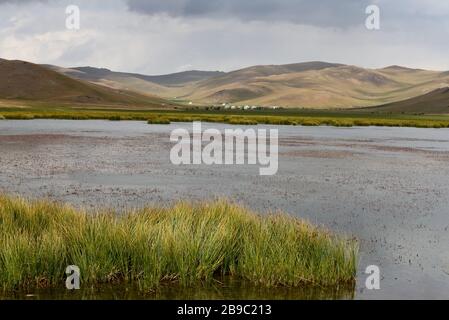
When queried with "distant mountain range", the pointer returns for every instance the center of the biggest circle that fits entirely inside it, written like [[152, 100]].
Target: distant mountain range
[[303, 85]]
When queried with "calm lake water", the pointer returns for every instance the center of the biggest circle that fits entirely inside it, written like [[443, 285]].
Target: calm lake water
[[386, 186]]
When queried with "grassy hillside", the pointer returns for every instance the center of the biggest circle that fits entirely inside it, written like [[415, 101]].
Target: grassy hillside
[[173, 79], [315, 84], [435, 102], [30, 83], [324, 88], [163, 85]]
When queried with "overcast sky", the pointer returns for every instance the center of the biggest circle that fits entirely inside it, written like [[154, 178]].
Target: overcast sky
[[164, 36]]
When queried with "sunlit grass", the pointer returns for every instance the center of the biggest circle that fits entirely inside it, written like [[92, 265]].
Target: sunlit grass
[[287, 117], [158, 120], [185, 243]]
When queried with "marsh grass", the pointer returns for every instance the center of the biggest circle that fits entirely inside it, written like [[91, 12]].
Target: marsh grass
[[285, 117], [185, 243], [158, 120], [115, 118]]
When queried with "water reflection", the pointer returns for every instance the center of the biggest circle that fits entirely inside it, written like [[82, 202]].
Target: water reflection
[[228, 290]]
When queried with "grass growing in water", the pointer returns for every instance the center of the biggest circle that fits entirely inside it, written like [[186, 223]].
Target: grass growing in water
[[282, 117], [186, 243], [158, 120]]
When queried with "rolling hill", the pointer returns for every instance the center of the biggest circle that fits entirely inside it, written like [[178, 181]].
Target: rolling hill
[[24, 81], [435, 102], [163, 85], [313, 84], [318, 85], [174, 79], [338, 86]]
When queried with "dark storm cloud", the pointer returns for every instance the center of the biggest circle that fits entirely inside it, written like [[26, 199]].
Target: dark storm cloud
[[324, 13]]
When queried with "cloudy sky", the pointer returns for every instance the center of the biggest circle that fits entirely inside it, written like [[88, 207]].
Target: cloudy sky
[[164, 36]]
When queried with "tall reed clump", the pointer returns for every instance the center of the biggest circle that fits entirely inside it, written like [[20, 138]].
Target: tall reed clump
[[184, 243]]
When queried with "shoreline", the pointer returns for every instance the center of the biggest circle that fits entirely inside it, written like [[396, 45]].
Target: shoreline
[[288, 117]]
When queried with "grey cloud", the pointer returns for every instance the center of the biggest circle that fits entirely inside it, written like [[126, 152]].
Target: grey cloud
[[21, 1], [413, 33], [324, 13]]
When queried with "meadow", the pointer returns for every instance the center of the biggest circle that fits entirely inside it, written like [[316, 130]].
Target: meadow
[[342, 118], [184, 243]]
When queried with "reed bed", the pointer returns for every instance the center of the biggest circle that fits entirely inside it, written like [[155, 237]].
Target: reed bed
[[186, 243], [301, 121], [157, 117]]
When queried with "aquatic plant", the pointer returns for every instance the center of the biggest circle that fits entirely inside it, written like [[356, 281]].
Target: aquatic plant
[[158, 120], [186, 243], [115, 118], [285, 117]]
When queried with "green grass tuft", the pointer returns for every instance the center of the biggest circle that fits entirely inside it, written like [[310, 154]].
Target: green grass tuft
[[185, 243], [115, 118], [158, 120]]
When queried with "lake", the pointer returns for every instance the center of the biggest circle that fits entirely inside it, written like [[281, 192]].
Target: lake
[[388, 187]]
